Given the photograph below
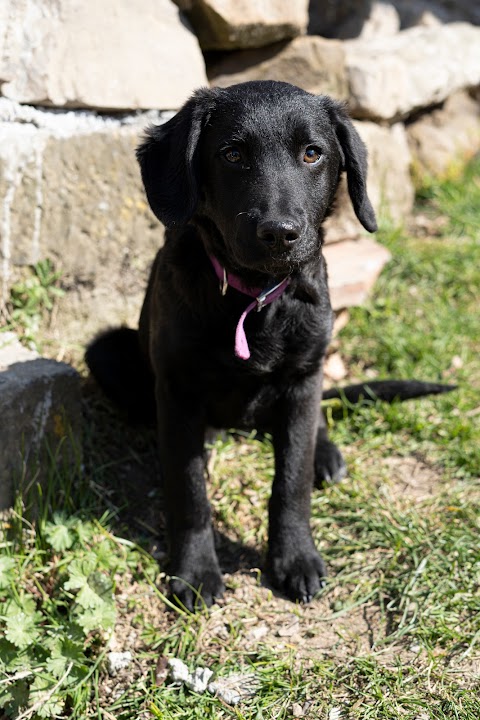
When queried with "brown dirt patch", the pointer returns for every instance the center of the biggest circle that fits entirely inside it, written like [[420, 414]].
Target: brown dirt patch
[[411, 479]]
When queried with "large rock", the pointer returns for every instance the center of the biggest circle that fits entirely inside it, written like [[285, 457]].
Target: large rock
[[353, 266], [41, 415], [353, 18], [428, 12], [446, 136], [394, 77], [389, 184], [230, 24], [383, 20], [109, 55], [328, 18], [70, 190], [315, 64]]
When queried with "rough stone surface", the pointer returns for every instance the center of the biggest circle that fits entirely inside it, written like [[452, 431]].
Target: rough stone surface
[[353, 18], [393, 77], [329, 18], [77, 198], [108, 55], [445, 136], [389, 184], [230, 24], [349, 19], [383, 20], [314, 64], [39, 406], [429, 12], [353, 266]]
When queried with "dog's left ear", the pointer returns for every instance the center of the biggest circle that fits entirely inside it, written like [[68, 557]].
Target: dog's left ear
[[355, 163], [168, 160]]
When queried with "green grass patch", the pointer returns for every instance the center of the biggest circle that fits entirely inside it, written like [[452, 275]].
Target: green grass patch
[[32, 300], [395, 634], [422, 322]]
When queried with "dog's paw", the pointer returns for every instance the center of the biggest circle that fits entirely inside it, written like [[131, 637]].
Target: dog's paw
[[196, 580], [299, 574], [330, 466], [198, 589]]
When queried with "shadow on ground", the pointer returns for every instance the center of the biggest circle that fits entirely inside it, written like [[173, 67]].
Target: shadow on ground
[[123, 464]]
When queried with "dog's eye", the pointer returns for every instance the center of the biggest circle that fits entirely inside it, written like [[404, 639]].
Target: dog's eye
[[312, 155], [233, 155]]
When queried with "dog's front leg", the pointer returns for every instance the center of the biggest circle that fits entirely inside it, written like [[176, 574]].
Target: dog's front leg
[[193, 562], [294, 564]]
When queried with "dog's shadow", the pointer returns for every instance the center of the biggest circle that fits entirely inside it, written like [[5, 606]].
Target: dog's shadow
[[122, 464]]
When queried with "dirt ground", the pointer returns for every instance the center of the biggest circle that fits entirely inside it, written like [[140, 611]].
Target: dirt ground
[[250, 613]]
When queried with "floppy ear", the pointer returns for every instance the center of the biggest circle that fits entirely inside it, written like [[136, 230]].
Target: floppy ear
[[169, 160], [355, 163]]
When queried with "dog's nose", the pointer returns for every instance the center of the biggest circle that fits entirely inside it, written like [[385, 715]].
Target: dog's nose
[[278, 232]]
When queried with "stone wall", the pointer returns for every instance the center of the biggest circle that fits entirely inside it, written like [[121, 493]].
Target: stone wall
[[80, 80]]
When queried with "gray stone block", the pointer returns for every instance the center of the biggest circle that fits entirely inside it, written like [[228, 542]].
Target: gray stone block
[[40, 415], [393, 77], [70, 191], [108, 55], [446, 137], [313, 63], [230, 24], [353, 266]]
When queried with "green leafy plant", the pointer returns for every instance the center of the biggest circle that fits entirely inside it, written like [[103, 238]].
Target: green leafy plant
[[32, 298], [56, 610]]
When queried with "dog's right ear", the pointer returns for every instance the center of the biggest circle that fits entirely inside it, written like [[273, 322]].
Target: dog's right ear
[[168, 160], [354, 159]]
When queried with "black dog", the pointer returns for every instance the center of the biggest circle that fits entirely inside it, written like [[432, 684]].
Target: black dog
[[243, 178]]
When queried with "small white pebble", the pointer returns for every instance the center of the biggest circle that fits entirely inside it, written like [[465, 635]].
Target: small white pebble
[[335, 714], [196, 681], [178, 670], [297, 710], [199, 679], [117, 661]]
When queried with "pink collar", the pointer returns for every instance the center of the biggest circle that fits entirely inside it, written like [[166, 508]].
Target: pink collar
[[262, 298]]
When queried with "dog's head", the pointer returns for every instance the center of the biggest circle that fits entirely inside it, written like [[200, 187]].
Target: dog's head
[[257, 165]]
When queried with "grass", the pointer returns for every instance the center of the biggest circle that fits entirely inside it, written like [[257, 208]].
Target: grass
[[395, 634], [32, 300]]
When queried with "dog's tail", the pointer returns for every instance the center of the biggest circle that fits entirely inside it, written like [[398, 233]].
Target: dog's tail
[[122, 370], [119, 366], [387, 390]]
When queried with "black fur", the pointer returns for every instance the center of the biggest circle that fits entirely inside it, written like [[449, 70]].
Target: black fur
[[261, 216], [387, 390]]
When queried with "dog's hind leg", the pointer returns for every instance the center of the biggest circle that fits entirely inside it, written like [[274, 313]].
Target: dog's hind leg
[[119, 366], [329, 464]]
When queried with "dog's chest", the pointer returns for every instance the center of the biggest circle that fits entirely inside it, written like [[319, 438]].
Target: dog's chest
[[287, 338], [285, 347]]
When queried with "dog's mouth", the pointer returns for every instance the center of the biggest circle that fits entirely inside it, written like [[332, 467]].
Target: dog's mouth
[[258, 263], [274, 262], [272, 245]]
